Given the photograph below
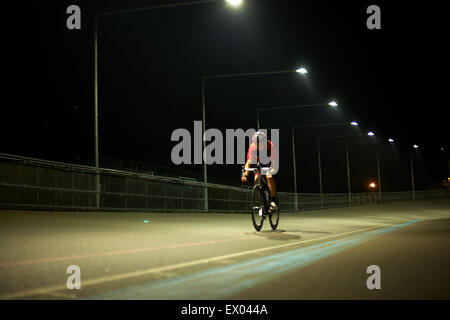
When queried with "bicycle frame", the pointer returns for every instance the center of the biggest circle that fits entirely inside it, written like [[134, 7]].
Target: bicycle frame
[[261, 181], [262, 192], [263, 184]]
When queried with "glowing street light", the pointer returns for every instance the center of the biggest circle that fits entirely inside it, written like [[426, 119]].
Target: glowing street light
[[416, 146], [234, 3], [370, 133], [354, 123], [97, 17], [372, 185], [302, 70], [333, 104], [391, 140]]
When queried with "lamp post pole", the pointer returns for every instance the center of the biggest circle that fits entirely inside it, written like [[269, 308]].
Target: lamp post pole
[[258, 111], [320, 173], [348, 168], [218, 76], [379, 177], [347, 160], [295, 170], [97, 17], [348, 178], [412, 175], [294, 162], [97, 177]]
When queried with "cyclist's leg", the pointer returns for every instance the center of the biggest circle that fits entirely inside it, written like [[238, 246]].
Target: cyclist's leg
[[257, 181], [256, 178], [272, 186], [270, 181], [273, 191]]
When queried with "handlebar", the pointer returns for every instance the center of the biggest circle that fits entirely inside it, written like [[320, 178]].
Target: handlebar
[[263, 171]]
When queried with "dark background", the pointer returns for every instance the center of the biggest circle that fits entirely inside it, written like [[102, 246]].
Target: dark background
[[391, 81]]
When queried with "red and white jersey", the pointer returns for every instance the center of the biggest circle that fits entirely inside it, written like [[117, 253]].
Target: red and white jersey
[[252, 153]]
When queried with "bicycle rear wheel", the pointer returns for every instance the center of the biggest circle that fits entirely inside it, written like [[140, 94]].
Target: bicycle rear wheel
[[257, 208], [274, 216]]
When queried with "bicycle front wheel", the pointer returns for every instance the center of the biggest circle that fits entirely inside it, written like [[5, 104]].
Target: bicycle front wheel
[[274, 216], [258, 207]]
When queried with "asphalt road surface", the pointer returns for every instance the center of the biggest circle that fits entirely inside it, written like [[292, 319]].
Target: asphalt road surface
[[322, 254]]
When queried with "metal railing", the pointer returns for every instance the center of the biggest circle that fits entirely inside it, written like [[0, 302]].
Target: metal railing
[[27, 183]]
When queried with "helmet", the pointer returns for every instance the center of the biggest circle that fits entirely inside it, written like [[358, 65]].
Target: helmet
[[258, 135]]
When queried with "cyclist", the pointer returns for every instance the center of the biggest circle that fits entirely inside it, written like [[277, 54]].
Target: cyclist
[[259, 140]]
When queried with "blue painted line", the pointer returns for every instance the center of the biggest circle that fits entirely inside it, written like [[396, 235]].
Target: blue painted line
[[220, 282]]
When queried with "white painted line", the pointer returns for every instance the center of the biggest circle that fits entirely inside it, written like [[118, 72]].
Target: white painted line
[[101, 280]]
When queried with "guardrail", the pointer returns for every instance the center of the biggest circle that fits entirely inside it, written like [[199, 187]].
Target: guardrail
[[27, 183]]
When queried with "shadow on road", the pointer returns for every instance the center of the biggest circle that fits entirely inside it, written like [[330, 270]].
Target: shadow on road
[[276, 235], [309, 231]]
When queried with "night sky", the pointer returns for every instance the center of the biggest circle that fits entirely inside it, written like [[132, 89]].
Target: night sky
[[390, 81]]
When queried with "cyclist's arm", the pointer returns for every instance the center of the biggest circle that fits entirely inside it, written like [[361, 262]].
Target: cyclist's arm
[[274, 161], [247, 165], [250, 155]]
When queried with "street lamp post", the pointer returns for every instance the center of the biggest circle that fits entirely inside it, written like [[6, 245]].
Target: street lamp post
[[348, 178], [379, 171], [347, 158], [319, 161], [412, 175], [294, 162], [379, 177], [332, 104], [97, 177], [354, 123], [219, 76], [411, 169], [411, 156], [348, 167], [295, 171], [97, 17]]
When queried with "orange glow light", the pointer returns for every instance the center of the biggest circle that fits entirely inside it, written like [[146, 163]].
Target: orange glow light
[[372, 185]]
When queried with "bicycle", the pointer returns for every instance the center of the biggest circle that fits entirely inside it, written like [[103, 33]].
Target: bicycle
[[260, 206]]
